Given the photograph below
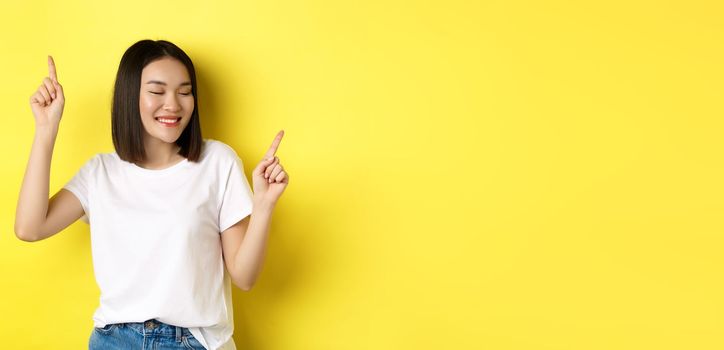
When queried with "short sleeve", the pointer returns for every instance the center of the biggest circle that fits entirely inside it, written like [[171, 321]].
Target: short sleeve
[[80, 185], [237, 200]]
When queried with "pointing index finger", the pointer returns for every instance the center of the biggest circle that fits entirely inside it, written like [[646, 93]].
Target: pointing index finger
[[275, 144], [51, 69]]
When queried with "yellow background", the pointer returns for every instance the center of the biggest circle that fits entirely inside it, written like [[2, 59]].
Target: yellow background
[[463, 174]]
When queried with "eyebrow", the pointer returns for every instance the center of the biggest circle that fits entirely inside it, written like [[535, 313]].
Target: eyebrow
[[164, 84]]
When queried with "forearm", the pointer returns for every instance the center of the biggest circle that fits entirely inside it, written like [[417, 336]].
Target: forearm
[[249, 257], [32, 205]]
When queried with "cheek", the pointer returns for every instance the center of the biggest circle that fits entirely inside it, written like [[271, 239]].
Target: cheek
[[145, 105], [189, 105]]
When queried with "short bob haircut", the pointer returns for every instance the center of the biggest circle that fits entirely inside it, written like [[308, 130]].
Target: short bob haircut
[[126, 126]]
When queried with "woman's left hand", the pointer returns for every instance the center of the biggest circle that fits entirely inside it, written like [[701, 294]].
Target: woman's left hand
[[269, 177]]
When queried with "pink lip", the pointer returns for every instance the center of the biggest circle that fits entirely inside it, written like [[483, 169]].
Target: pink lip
[[169, 125]]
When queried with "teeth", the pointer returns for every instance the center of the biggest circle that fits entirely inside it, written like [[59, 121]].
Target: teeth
[[170, 121]]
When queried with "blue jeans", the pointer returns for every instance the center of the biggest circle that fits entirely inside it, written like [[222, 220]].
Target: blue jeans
[[149, 335]]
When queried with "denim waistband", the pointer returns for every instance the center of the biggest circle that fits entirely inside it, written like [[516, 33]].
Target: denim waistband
[[155, 327]]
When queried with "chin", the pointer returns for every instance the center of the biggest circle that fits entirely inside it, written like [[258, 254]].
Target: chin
[[168, 136], [169, 140]]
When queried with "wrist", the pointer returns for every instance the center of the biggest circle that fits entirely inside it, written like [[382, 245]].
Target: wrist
[[46, 130], [46, 134], [260, 205]]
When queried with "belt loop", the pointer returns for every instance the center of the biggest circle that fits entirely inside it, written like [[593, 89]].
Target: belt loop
[[178, 334]]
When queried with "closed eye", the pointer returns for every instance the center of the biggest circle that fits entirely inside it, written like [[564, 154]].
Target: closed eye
[[161, 93]]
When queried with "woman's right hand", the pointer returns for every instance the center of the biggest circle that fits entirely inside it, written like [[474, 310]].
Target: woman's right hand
[[48, 101]]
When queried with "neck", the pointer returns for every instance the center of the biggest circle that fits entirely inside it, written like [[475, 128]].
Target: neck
[[160, 154]]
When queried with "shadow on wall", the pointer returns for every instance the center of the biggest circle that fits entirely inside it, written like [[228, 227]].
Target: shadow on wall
[[286, 266], [286, 269]]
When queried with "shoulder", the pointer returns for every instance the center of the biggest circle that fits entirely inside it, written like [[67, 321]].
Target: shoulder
[[94, 161], [93, 164], [109, 161], [106, 159], [216, 146], [219, 150]]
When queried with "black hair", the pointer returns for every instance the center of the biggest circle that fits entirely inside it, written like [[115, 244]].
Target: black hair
[[126, 125]]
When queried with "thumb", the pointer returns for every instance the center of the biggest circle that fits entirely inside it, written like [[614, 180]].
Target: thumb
[[59, 89]]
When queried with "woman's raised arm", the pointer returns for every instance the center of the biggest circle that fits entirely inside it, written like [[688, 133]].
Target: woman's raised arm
[[32, 210]]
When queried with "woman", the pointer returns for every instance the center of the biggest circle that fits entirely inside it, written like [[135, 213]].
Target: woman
[[172, 217]]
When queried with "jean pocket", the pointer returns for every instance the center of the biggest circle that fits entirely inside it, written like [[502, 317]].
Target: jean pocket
[[190, 342], [107, 329]]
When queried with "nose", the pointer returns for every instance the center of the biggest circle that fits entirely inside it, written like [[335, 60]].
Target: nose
[[171, 104]]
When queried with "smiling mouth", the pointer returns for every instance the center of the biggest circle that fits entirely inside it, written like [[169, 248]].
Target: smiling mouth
[[168, 121]]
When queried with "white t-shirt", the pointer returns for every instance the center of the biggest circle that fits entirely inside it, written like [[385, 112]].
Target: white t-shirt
[[156, 242]]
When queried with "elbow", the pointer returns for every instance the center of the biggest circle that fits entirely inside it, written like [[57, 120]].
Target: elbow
[[25, 235], [245, 286]]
